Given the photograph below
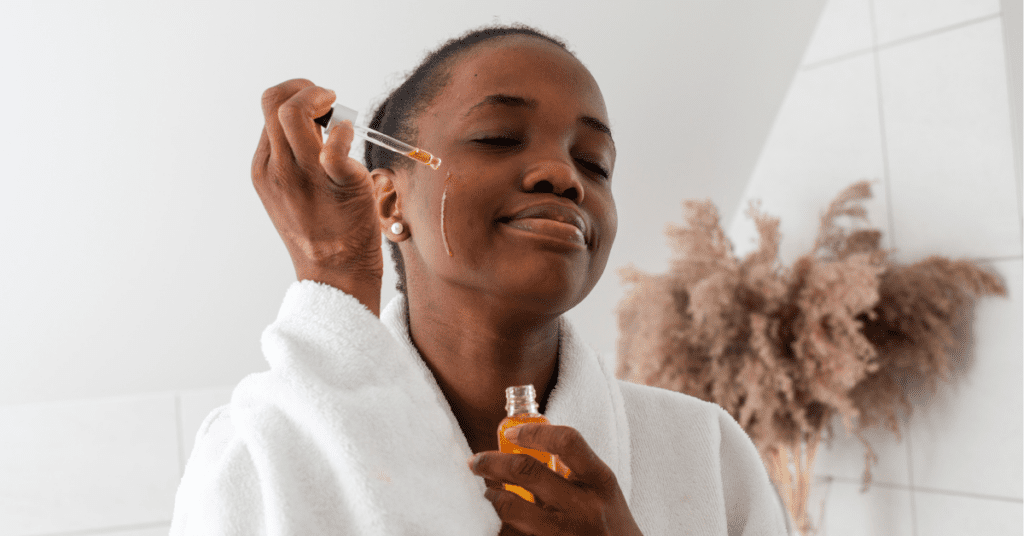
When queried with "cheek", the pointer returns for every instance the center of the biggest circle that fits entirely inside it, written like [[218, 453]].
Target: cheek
[[444, 219], [604, 208], [463, 223], [425, 199], [613, 221]]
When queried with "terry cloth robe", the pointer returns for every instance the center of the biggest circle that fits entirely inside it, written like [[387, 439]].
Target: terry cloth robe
[[349, 433]]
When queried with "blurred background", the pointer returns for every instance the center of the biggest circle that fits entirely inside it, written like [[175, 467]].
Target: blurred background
[[140, 267]]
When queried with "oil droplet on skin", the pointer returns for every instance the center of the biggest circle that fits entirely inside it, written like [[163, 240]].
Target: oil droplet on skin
[[444, 230]]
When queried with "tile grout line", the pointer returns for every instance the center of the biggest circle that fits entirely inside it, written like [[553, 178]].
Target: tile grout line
[[104, 531], [824, 500], [836, 59], [896, 42], [919, 489], [889, 210], [1015, 119], [886, 178], [978, 496], [998, 259], [910, 479], [931, 33]]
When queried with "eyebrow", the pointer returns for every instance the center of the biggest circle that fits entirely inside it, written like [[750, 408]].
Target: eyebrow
[[513, 101]]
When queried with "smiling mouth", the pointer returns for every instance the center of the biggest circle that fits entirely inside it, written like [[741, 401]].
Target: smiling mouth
[[549, 228]]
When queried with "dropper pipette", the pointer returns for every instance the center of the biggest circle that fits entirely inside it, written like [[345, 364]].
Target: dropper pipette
[[341, 113]]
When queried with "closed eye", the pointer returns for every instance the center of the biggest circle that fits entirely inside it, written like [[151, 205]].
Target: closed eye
[[502, 142], [499, 142], [593, 167]]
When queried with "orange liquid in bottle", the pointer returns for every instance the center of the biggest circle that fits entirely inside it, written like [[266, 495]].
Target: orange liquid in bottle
[[504, 445]]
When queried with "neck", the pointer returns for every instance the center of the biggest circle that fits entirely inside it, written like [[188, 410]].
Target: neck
[[474, 354]]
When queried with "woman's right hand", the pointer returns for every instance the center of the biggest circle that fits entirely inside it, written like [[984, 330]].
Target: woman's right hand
[[320, 200]]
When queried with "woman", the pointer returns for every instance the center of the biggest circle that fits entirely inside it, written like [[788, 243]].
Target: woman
[[364, 425]]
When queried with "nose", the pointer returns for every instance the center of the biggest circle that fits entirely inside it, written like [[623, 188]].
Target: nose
[[554, 177]]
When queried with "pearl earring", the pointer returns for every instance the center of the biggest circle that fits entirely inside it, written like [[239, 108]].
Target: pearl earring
[[397, 228]]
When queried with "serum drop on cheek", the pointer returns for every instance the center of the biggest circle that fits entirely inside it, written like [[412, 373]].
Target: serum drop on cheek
[[521, 405], [444, 230]]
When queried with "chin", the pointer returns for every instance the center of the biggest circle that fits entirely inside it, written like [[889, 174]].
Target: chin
[[546, 294]]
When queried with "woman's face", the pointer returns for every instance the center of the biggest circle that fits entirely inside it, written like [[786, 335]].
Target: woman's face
[[521, 209]]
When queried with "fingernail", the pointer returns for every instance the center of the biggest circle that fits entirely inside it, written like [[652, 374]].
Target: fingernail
[[471, 462], [512, 433]]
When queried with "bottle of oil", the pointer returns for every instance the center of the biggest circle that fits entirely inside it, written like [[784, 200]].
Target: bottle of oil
[[521, 405]]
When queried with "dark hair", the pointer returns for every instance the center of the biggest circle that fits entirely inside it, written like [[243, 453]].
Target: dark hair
[[396, 115]]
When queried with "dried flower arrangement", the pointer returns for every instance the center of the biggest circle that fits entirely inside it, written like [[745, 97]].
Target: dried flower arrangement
[[843, 332]]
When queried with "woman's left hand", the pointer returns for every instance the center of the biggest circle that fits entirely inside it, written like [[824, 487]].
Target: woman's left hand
[[588, 503]]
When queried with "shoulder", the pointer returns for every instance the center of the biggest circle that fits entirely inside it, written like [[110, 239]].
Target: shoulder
[[213, 441], [670, 430], [217, 428], [663, 413], [646, 402], [220, 487]]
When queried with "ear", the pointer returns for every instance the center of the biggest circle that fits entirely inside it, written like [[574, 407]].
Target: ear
[[387, 199]]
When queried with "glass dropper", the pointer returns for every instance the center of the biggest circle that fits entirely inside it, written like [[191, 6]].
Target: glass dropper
[[341, 113]]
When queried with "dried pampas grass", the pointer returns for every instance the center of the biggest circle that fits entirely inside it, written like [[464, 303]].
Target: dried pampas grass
[[842, 332]]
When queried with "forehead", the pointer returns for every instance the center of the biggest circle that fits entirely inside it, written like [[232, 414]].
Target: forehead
[[523, 66]]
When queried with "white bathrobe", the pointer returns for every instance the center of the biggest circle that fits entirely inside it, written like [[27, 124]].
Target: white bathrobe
[[349, 433]]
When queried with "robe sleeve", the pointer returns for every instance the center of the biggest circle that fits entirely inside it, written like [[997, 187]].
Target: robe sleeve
[[218, 451], [753, 505]]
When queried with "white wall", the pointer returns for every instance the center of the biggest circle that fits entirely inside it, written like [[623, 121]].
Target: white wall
[[139, 266], [913, 94]]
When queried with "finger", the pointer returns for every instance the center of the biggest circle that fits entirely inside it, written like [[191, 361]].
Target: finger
[[296, 116], [573, 451], [529, 473], [272, 99], [520, 514], [509, 530], [334, 155], [260, 159]]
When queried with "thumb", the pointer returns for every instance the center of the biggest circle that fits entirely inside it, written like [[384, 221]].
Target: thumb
[[341, 169]]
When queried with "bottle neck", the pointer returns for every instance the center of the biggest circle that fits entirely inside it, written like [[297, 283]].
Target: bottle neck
[[520, 407], [521, 400]]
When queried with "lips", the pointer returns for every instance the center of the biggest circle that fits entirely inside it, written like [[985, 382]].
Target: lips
[[552, 220]]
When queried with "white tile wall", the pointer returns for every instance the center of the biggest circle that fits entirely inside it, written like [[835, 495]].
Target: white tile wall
[[944, 145], [969, 437], [89, 464], [844, 27], [109, 467], [882, 511], [940, 514], [947, 127], [845, 458], [898, 19], [826, 137]]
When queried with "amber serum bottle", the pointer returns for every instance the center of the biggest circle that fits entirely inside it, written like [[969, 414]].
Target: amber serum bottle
[[521, 406]]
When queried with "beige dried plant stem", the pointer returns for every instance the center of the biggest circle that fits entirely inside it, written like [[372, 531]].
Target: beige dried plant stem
[[791, 470]]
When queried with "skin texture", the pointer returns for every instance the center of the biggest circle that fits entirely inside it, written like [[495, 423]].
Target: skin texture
[[485, 317]]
